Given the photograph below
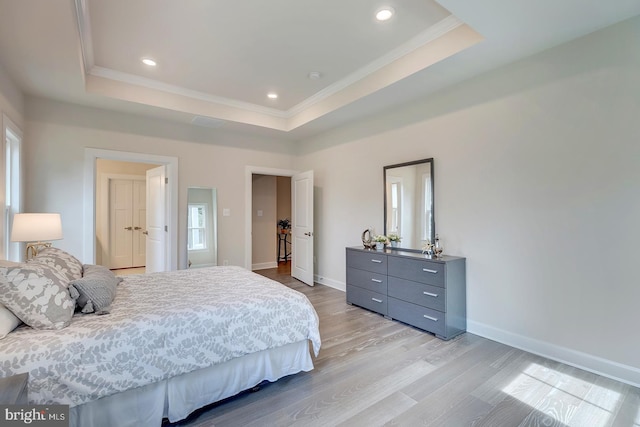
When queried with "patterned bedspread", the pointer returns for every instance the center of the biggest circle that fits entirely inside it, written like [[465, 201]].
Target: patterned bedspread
[[161, 325]]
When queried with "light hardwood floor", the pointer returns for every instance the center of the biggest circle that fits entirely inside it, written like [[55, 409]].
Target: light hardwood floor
[[373, 372]]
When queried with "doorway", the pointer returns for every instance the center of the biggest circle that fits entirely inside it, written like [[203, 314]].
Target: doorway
[[170, 255], [121, 213], [302, 235], [271, 201]]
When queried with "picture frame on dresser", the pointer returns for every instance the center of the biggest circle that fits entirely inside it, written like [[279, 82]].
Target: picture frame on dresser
[[419, 290]]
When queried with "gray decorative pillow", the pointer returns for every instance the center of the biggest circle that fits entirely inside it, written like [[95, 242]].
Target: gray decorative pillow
[[8, 321], [95, 292], [63, 262], [36, 295]]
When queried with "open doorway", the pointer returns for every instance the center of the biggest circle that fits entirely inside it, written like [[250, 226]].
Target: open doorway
[[121, 215], [169, 201], [302, 240], [271, 202]]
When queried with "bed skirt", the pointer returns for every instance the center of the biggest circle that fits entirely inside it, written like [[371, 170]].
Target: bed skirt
[[175, 398]]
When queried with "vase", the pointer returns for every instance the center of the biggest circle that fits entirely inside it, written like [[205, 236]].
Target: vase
[[394, 244], [379, 246]]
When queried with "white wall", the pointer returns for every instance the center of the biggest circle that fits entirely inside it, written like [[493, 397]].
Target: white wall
[[57, 134], [537, 171]]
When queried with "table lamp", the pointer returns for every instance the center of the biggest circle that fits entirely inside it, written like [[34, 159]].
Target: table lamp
[[36, 228]]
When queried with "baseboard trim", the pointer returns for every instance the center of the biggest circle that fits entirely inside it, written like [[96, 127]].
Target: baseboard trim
[[341, 286], [597, 365], [264, 265]]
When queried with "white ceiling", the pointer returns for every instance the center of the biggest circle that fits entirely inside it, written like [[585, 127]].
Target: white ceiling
[[218, 59]]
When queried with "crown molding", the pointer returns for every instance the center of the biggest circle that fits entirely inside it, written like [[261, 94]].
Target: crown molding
[[84, 31], [432, 33], [132, 79]]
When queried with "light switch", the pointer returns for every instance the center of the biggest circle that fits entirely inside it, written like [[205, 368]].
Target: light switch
[[226, 212], [259, 212]]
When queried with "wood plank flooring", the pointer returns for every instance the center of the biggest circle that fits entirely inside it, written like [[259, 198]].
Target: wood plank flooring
[[376, 372]]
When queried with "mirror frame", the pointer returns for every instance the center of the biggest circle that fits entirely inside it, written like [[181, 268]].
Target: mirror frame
[[384, 178]]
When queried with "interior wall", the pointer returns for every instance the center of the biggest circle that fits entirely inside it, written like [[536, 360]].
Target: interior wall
[[537, 166], [58, 133], [264, 202]]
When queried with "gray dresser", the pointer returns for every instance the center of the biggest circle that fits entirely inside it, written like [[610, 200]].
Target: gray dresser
[[410, 287]]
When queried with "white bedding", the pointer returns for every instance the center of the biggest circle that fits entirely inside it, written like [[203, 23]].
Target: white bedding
[[161, 325]]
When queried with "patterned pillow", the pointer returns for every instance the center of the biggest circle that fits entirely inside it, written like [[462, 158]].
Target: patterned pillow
[[95, 292], [63, 262], [36, 295], [8, 321]]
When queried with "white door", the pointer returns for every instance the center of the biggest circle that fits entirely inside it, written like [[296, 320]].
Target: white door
[[302, 227], [126, 223], [120, 227], [156, 224]]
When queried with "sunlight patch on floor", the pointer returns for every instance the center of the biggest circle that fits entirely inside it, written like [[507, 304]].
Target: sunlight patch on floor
[[537, 383]]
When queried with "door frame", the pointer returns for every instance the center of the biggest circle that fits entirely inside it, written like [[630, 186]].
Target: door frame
[[248, 203], [91, 155]]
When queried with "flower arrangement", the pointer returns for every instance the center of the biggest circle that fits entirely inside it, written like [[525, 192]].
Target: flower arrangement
[[284, 224], [394, 238], [378, 238]]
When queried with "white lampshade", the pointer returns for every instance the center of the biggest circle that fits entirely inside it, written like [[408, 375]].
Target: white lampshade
[[36, 227]]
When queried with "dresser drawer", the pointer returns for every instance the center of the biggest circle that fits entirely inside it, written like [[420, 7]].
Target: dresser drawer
[[415, 315], [369, 261], [375, 282], [417, 293], [417, 270], [372, 300]]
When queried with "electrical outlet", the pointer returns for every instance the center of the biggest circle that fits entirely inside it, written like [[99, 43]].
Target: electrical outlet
[[225, 262]]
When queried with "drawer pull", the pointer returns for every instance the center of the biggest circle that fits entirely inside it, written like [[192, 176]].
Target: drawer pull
[[376, 280], [376, 300], [379, 261], [435, 319], [426, 270], [430, 294]]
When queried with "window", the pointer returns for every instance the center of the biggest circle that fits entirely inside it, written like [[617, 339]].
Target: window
[[197, 227], [12, 140]]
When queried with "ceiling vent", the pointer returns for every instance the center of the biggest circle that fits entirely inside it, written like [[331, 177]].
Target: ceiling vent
[[208, 122]]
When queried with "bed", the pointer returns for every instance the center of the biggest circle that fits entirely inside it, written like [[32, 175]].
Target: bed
[[171, 343]]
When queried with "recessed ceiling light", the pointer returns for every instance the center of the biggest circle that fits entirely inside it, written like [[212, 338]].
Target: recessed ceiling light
[[384, 14], [148, 61], [272, 95]]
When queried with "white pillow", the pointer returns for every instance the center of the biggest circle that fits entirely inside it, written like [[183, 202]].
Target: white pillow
[[8, 321]]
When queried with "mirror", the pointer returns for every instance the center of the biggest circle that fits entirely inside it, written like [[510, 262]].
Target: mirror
[[202, 241], [409, 203]]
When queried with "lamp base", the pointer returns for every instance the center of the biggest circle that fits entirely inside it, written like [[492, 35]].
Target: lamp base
[[33, 248]]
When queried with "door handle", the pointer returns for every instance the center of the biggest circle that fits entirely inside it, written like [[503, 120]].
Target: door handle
[[145, 232], [308, 234], [137, 228], [128, 228]]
